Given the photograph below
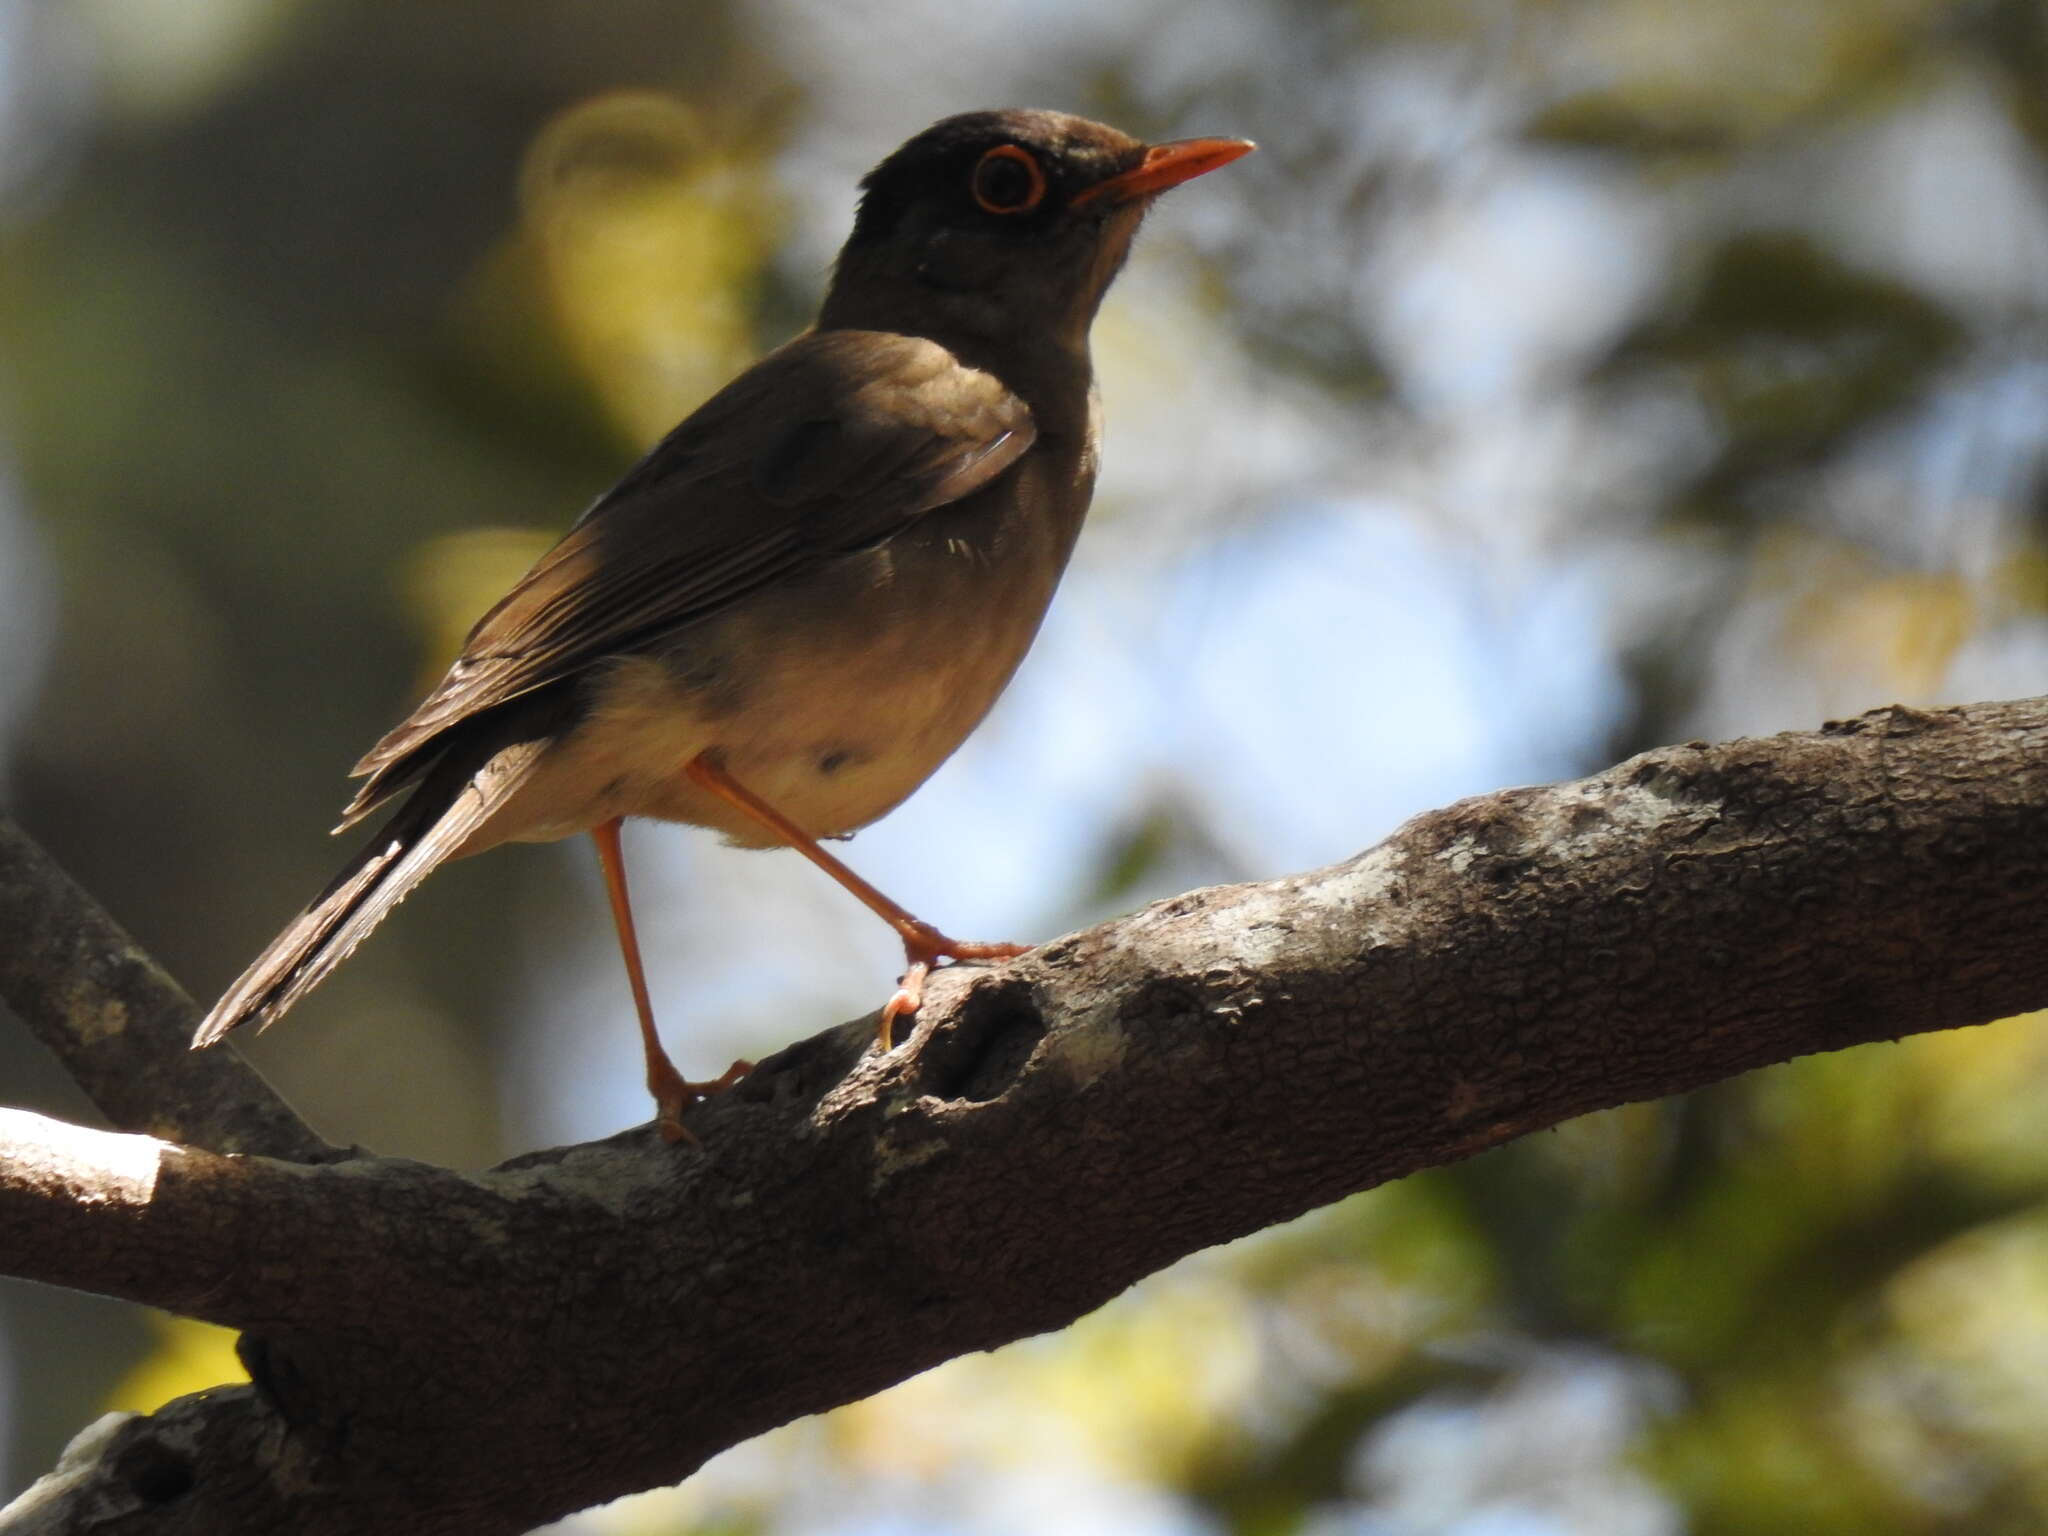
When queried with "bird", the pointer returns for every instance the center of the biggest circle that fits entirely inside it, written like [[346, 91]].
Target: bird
[[803, 599]]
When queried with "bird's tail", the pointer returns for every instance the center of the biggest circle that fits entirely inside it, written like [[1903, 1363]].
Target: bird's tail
[[435, 821]]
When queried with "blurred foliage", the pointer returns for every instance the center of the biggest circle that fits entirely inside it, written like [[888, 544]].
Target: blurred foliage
[[1790, 353], [649, 239], [317, 322], [189, 1357]]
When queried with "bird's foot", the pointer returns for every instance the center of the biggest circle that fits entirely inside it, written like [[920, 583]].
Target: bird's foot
[[674, 1093], [923, 947]]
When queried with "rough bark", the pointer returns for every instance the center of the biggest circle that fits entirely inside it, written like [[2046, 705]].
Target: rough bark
[[119, 1024], [440, 1352]]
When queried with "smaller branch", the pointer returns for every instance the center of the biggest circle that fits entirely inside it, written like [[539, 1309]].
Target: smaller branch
[[121, 1026], [127, 1216], [63, 1185], [174, 1226]]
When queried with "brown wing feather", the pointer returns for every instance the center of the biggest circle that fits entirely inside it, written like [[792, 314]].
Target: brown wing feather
[[836, 441]]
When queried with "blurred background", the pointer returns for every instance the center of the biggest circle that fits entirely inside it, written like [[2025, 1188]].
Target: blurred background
[[1565, 377]]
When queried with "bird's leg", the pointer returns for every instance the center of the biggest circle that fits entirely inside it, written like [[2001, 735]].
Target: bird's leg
[[673, 1093], [923, 945]]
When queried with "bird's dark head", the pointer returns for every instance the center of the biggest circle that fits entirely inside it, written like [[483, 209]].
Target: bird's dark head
[[1004, 227]]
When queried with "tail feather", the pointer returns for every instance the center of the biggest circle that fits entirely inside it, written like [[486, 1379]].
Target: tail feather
[[433, 824]]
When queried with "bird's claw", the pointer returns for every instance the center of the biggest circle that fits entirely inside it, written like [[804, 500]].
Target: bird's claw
[[908, 998], [673, 1095], [923, 947]]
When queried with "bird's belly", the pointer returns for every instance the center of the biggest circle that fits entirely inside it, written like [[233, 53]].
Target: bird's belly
[[847, 742], [832, 703]]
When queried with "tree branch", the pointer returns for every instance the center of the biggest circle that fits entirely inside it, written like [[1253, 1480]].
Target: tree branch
[[120, 1025], [1054, 1130]]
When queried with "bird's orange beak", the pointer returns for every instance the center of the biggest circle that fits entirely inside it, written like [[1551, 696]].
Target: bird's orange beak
[[1166, 165]]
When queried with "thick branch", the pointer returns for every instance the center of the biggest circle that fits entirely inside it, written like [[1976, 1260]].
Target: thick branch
[[120, 1025], [1055, 1129]]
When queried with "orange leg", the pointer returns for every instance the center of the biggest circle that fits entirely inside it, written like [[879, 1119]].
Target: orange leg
[[673, 1093], [923, 944]]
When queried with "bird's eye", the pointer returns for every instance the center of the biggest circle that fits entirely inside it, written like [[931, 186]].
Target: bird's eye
[[1007, 180]]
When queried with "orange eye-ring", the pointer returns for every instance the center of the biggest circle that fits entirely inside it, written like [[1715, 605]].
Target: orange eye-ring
[[1008, 180]]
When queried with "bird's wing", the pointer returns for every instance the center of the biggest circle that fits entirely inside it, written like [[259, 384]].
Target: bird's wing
[[834, 442]]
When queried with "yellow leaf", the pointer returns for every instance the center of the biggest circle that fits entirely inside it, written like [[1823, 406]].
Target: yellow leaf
[[649, 240], [450, 582], [189, 1357]]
